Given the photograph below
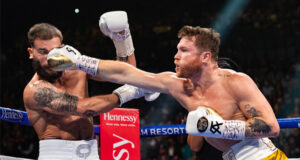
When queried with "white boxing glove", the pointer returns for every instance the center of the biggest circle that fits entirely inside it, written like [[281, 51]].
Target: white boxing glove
[[129, 92], [115, 25], [67, 57], [207, 123]]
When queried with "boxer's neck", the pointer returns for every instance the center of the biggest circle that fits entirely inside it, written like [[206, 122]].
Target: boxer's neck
[[206, 77]]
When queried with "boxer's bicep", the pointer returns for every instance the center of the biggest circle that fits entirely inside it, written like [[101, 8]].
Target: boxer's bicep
[[261, 121], [55, 102], [43, 96], [169, 82], [256, 125], [123, 73], [130, 60]]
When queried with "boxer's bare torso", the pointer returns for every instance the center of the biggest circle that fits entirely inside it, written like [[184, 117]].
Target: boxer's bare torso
[[54, 125], [199, 82], [217, 96]]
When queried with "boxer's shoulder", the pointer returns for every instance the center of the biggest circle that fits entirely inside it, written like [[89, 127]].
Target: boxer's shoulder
[[33, 85], [232, 77], [32, 88], [238, 84], [72, 73], [170, 79], [168, 73], [239, 79], [171, 76]]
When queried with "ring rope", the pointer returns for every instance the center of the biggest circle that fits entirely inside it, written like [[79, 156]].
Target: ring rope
[[20, 117]]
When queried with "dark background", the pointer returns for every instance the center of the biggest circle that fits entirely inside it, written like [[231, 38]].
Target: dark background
[[262, 37]]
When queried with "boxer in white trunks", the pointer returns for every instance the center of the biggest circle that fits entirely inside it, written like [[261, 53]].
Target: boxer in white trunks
[[226, 108], [57, 103]]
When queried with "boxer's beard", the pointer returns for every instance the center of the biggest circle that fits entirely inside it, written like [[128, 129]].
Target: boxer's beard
[[189, 70], [49, 76]]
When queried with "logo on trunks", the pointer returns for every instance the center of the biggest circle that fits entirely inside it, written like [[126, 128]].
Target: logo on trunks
[[11, 115], [83, 150], [202, 124], [123, 118]]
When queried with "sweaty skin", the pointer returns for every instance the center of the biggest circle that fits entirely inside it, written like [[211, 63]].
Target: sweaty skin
[[61, 109], [199, 82], [58, 124], [54, 121]]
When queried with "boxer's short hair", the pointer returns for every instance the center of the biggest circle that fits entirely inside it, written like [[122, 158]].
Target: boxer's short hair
[[43, 31], [207, 39]]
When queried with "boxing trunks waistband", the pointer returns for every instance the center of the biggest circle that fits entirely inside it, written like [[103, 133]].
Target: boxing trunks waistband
[[57, 149], [254, 149]]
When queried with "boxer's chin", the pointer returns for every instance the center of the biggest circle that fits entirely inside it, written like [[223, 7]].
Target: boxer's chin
[[46, 74], [187, 72]]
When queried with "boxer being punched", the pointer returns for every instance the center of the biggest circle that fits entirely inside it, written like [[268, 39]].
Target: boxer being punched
[[226, 108], [57, 103]]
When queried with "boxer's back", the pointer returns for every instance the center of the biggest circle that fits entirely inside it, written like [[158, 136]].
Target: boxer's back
[[60, 126]]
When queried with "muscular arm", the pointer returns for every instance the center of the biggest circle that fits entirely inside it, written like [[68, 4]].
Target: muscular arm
[[130, 60], [44, 96], [113, 71], [123, 73], [261, 121]]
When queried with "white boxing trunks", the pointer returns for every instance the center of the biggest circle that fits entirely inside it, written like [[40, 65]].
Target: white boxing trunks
[[57, 149], [254, 149]]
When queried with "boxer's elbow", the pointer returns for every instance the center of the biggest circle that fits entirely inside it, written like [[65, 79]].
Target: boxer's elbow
[[94, 106], [259, 128], [275, 130], [86, 108]]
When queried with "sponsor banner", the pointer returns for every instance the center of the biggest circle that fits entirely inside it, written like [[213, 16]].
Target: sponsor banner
[[120, 134], [15, 116], [163, 130]]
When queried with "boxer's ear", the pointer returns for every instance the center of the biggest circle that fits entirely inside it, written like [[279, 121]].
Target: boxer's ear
[[30, 52], [206, 56]]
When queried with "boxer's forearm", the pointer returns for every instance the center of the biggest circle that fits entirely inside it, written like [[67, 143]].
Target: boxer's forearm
[[258, 128], [96, 105], [61, 103], [130, 60], [113, 71], [67, 57], [205, 122]]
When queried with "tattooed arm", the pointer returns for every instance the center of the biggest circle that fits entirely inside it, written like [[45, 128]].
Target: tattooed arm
[[44, 96], [261, 120]]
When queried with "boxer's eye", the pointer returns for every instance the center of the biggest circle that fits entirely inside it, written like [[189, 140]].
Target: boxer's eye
[[183, 49], [42, 51]]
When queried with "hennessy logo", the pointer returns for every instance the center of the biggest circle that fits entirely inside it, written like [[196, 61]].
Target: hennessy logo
[[122, 151], [115, 117], [11, 115]]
